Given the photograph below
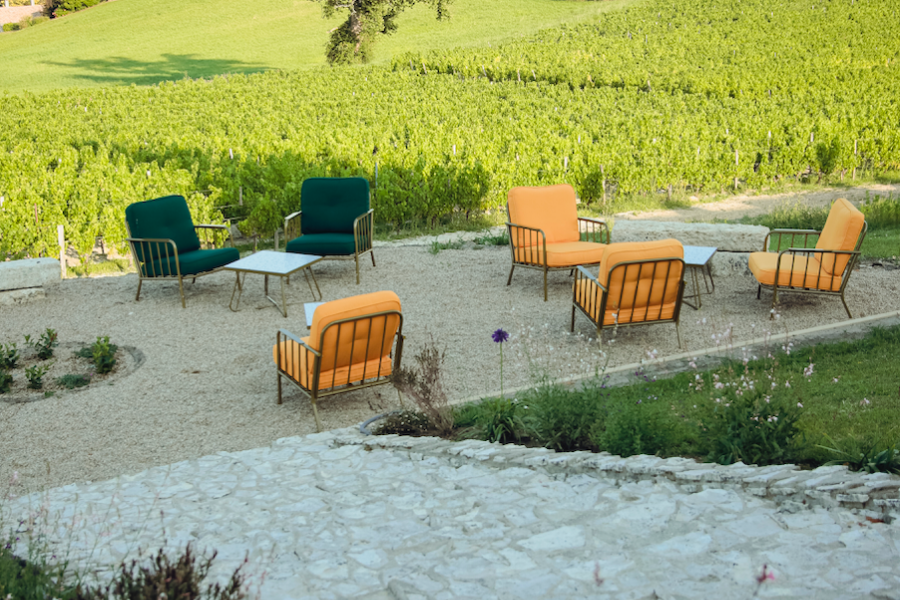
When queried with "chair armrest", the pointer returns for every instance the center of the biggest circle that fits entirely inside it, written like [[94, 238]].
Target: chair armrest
[[287, 334], [594, 226], [534, 230], [217, 227], [587, 275], [364, 230], [791, 232], [161, 247], [289, 227]]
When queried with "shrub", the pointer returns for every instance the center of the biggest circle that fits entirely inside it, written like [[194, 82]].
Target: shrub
[[862, 455], [72, 381], [162, 578], [425, 385], [59, 8], [45, 344], [9, 356], [493, 419], [752, 428], [101, 353], [29, 579], [5, 381], [35, 375], [565, 420], [637, 428], [405, 422]]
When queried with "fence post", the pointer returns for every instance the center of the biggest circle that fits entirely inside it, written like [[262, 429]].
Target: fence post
[[61, 240]]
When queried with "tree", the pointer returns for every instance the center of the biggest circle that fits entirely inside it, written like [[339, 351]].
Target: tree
[[352, 41]]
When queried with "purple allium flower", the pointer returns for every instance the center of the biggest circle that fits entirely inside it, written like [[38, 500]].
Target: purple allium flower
[[500, 336]]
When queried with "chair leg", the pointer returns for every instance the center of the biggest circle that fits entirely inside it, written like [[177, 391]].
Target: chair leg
[[545, 284], [278, 377], [511, 269], [137, 297], [678, 335], [774, 302], [316, 413], [372, 254], [849, 316], [400, 398], [181, 291], [356, 260], [572, 327], [758, 291]]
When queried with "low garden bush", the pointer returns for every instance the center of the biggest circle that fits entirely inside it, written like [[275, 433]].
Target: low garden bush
[[825, 404]]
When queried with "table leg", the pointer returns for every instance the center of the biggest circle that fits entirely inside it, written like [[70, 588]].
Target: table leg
[[283, 307], [309, 269], [238, 289], [696, 290]]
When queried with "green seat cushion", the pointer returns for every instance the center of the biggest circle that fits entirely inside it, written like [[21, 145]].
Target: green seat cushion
[[323, 244], [166, 218], [331, 204], [193, 263]]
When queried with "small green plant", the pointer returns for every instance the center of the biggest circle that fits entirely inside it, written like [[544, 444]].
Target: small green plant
[[753, 428], [637, 428], [35, 375], [5, 381], [31, 579], [492, 419], [436, 246], [565, 420], [9, 356], [490, 239], [405, 422], [862, 456], [101, 353], [45, 344], [72, 381]]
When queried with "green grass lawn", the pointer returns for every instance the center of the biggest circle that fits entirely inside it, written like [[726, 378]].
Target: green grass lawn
[[132, 42]]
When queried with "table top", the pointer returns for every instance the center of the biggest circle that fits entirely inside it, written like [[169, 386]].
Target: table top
[[698, 256], [310, 309], [269, 262]]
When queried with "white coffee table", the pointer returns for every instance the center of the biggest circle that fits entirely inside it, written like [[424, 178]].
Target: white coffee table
[[697, 260], [278, 264], [310, 309]]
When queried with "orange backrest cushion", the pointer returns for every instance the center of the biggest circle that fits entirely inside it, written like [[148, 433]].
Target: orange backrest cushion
[[641, 285], [550, 208], [841, 232], [360, 340]]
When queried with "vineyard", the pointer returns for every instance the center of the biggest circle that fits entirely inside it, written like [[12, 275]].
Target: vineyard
[[700, 96]]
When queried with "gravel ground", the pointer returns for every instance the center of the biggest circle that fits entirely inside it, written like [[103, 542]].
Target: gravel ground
[[207, 381]]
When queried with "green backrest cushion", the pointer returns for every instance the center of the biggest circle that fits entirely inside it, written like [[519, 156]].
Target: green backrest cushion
[[331, 204], [167, 218]]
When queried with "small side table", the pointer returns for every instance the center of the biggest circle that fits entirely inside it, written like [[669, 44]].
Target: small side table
[[697, 260], [277, 264], [310, 309]]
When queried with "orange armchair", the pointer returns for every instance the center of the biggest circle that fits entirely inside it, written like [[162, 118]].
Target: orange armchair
[[351, 345], [824, 269], [639, 283], [545, 231]]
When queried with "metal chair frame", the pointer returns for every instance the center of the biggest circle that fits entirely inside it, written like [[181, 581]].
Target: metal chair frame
[[579, 301], [165, 249], [820, 276], [363, 233], [335, 387]]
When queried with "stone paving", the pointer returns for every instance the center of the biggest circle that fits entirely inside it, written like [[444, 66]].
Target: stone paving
[[342, 515]]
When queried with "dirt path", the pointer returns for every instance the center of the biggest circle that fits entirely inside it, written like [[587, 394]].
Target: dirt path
[[14, 14], [738, 206]]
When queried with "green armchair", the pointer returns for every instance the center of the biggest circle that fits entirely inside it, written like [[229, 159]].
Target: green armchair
[[165, 245], [334, 220]]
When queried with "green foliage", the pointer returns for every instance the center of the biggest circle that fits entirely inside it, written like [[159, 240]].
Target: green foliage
[[562, 419], [638, 428], [492, 419], [881, 211], [436, 246], [9, 356], [6, 380], [45, 344], [60, 8], [404, 422], [103, 354], [35, 374], [72, 381], [489, 239], [31, 579], [754, 429], [864, 455], [351, 42], [164, 578]]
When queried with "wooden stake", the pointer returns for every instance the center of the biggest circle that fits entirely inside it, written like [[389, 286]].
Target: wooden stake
[[61, 240]]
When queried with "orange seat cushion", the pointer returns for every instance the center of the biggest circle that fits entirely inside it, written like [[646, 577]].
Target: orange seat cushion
[[841, 232], [358, 348], [550, 208], [798, 270], [589, 296], [566, 254]]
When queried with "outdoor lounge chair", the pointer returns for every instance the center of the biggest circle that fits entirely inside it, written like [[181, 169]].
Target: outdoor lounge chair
[[165, 245], [824, 269], [545, 231], [350, 346], [639, 283], [334, 220]]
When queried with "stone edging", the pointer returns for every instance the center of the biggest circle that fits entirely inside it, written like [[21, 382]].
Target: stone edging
[[875, 495]]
